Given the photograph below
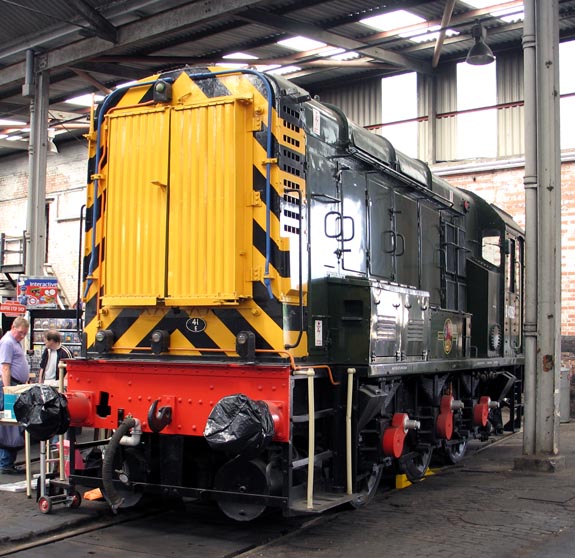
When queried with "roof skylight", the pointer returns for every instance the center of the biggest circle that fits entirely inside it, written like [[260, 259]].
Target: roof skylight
[[402, 18], [232, 65], [301, 44], [392, 20], [84, 100], [240, 55], [8, 122], [283, 70], [509, 15], [267, 67]]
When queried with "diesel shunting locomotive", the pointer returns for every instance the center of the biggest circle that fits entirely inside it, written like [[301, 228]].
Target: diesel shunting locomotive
[[280, 307]]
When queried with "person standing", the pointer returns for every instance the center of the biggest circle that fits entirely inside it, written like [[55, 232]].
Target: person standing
[[15, 371], [54, 352]]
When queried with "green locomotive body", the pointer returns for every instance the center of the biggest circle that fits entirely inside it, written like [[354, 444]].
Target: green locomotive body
[[251, 249]]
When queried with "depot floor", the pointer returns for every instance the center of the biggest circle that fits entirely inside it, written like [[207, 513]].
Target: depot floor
[[480, 507]]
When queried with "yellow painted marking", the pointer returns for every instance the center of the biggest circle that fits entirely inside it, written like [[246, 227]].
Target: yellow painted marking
[[178, 340], [271, 331], [402, 482], [264, 325], [134, 94], [100, 322], [141, 327], [219, 333]]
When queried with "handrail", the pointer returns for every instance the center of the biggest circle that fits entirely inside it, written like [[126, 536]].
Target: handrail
[[310, 373], [348, 448]]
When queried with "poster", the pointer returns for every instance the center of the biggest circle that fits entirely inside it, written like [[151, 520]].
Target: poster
[[38, 292]]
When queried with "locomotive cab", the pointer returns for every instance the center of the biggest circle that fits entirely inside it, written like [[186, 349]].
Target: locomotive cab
[[496, 270]]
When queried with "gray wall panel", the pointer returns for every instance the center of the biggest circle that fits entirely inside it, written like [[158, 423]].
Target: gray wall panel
[[510, 90], [361, 102]]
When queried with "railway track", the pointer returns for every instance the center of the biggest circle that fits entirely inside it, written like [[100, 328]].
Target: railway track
[[191, 529]]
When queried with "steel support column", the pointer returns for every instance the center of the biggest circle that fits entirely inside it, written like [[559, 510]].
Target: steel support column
[[549, 228], [543, 237], [37, 161], [530, 183]]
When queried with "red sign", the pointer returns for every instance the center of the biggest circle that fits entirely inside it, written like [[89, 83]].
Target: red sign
[[12, 308]]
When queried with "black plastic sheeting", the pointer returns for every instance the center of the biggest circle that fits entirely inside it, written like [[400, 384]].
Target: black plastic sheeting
[[43, 412], [239, 425]]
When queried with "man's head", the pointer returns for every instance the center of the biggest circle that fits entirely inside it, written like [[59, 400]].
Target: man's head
[[20, 327], [52, 339]]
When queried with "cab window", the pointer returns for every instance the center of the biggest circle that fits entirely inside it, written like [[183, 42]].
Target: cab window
[[491, 248]]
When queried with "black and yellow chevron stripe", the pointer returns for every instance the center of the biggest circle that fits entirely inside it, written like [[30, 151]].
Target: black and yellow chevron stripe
[[149, 157]]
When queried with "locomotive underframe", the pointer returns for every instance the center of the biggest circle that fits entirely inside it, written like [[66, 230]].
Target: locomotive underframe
[[182, 464]]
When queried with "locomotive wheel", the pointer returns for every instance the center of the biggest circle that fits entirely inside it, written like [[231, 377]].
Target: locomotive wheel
[[246, 477], [415, 463], [368, 487], [455, 452]]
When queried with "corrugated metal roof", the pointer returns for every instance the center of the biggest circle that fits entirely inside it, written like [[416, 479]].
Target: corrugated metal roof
[[91, 45]]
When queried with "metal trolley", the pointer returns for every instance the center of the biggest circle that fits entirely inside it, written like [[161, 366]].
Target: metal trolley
[[50, 490]]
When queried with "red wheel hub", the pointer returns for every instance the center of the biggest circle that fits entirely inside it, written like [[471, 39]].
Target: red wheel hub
[[481, 411], [444, 424], [394, 436]]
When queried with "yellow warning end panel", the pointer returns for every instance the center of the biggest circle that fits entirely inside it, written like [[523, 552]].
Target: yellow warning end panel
[[177, 225]]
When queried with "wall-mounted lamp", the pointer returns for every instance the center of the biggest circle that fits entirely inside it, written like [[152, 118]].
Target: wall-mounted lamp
[[479, 53]]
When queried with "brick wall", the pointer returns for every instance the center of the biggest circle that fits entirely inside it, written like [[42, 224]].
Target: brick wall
[[65, 184]]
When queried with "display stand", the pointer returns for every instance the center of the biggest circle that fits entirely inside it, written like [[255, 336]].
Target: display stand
[[66, 322]]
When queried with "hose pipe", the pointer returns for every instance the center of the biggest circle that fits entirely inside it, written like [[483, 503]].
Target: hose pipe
[[112, 497]]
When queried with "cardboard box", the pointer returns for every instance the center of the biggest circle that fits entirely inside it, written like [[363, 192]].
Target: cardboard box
[[11, 393], [9, 400]]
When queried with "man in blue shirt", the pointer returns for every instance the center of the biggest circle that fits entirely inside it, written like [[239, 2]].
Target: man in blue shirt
[[15, 370]]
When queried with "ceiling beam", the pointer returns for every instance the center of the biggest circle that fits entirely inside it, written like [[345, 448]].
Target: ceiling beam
[[92, 81], [311, 31], [65, 31], [466, 37], [103, 28], [465, 18], [132, 34], [156, 62], [447, 12], [10, 106], [112, 68], [67, 115]]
